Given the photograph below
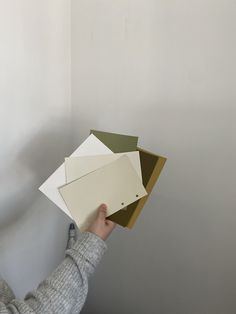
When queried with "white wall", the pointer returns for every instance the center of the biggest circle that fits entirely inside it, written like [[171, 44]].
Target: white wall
[[164, 70], [35, 136]]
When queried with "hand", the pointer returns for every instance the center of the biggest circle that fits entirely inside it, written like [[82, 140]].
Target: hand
[[102, 227]]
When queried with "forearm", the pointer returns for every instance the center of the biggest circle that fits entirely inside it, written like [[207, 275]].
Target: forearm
[[67, 287]]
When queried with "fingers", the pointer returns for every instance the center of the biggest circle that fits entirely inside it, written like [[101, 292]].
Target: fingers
[[102, 212], [110, 224], [101, 226]]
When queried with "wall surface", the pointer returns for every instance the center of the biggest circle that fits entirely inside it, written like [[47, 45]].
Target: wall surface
[[35, 136], [164, 70]]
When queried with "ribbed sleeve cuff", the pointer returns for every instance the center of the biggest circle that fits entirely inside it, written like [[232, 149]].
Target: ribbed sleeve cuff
[[89, 247]]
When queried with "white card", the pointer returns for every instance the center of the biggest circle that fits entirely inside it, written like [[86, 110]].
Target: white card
[[117, 185], [91, 146], [76, 167]]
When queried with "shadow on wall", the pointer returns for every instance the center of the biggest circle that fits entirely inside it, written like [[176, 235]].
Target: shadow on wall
[[82, 124], [26, 171]]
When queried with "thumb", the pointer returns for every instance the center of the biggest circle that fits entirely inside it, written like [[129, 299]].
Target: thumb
[[102, 212]]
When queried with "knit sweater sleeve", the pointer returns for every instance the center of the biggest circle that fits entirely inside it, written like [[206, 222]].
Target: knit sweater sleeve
[[66, 289], [6, 293]]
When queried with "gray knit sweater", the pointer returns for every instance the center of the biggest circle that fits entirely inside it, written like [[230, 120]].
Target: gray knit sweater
[[65, 291]]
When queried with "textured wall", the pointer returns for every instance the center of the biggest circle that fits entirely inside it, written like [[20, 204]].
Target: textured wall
[[35, 118], [164, 70]]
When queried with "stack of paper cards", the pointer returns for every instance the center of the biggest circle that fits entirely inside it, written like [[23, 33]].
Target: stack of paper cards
[[106, 168]]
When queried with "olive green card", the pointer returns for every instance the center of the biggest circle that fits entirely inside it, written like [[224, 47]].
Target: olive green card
[[118, 143], [151, 165]]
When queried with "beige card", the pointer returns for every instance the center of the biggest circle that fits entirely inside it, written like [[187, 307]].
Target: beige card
[[117, 184], [76, 167]]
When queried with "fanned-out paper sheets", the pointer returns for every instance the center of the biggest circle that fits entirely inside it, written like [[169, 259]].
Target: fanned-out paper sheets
[[116, 184], [91, 146], [102, 171]]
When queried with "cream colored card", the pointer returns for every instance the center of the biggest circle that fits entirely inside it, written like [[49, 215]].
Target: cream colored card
[[76, 167], [117, 184]]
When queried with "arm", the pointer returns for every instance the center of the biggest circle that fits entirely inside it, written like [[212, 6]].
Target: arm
[[66, 289], [68, 284]]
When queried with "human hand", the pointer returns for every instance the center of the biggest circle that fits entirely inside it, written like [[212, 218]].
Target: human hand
[[102, 227]]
